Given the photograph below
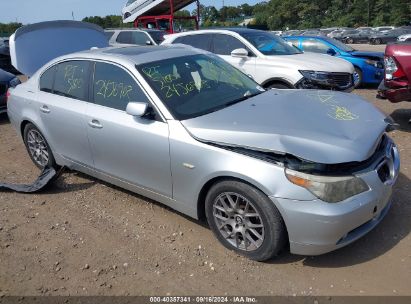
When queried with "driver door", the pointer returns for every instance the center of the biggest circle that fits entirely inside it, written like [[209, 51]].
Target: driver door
[[133, 150]]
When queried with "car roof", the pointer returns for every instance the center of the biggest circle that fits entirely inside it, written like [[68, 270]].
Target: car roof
[[132, 29], [137, 54]]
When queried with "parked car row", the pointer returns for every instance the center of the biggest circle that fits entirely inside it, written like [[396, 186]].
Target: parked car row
[[376, 35], [308, 170]]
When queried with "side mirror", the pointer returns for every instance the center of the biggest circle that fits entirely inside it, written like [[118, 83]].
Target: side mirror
[[240, 53], [331, 52], [148, 42], [137, 109]]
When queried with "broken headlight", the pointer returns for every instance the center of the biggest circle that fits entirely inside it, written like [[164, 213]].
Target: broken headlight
[[318, 77], [331, 189]]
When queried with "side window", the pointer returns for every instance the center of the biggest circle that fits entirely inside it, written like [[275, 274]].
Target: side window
[[179, 40], [47, 79], [200, 41], [71, 79], [124, 37], [314, 46], [139, 38], [115, 88], [225, 44]]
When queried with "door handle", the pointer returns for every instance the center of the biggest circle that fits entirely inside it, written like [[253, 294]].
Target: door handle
[[45, 109], [95, 124]]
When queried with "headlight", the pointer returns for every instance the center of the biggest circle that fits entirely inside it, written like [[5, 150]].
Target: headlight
[[321, 77], [331, 189], [374, 63]]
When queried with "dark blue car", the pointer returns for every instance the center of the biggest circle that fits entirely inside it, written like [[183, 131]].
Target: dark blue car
[[369, 66]]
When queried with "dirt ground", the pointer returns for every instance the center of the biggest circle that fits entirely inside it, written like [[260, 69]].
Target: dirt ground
[[85, 237]]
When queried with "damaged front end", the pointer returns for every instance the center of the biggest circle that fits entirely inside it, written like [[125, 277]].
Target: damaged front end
[[325, 80], [332, 183]]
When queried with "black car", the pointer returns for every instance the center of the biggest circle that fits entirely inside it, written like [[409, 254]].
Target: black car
[[390, 36], [5, 61], [357, 36], [7, 80]]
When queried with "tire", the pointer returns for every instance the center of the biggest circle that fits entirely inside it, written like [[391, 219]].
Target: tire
[[359, 73], [350, 41], [267, 236], [37, 147], [278, 85], [377, 41]]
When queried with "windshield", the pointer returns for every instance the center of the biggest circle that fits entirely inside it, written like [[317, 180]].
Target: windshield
[[340, 45], [196, 85], [270, 44]]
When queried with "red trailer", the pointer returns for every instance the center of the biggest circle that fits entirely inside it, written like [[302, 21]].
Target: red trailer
[[160, 14]]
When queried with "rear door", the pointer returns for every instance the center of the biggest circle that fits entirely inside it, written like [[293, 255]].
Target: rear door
[[62, 102], [132, 149], [224, 44]]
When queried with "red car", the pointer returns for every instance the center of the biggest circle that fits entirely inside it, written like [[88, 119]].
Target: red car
[[396, 85]]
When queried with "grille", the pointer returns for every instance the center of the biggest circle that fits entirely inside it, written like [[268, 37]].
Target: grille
[[341, 79]]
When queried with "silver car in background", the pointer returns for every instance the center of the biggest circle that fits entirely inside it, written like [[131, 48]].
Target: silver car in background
[[185, 128]]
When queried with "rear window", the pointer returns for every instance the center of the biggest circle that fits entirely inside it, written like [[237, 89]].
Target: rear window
[[46, 80], [71, 79], [109, 35]]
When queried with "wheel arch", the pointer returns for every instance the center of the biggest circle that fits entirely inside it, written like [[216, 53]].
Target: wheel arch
[[274, 80], [207, 186]]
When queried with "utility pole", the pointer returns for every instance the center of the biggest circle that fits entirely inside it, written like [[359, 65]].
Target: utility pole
[[223, 3]]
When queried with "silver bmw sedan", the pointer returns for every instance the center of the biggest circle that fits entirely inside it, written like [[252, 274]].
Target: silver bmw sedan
[[312, 169]]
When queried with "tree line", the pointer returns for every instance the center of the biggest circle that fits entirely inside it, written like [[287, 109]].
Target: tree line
[[280, 14]]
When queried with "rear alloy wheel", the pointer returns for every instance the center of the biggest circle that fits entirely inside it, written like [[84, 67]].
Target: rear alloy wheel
[[38, 148], [245, 220], [377, 41], [350, 41]]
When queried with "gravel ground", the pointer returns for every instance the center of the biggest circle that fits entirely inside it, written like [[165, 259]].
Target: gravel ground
[[85, 237]]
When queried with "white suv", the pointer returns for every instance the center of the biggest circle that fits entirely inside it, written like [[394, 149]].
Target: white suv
[[134, 36], [270, 60]]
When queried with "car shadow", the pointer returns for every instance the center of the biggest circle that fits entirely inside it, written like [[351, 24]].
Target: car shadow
[[393, 228], [402, 117], [61, 185]]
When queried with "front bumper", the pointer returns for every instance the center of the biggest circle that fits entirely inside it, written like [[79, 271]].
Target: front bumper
[[317, 227], [334, 81]]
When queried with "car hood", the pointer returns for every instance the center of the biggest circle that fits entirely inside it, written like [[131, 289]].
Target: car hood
[[34, 45], [368, 54], [319, 126], [314, 62]]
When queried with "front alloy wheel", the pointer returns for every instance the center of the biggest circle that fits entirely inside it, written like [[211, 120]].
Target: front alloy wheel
[[245, 220], [238, 221]]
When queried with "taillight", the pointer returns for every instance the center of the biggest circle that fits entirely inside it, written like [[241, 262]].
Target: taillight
[[7, 95], [392, 70]]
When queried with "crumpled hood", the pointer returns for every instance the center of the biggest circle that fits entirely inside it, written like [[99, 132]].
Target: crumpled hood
[[319, 126], [313, 62], [368, 54]]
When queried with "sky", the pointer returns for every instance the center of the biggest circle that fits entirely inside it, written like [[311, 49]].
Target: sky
[[31, 11]]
